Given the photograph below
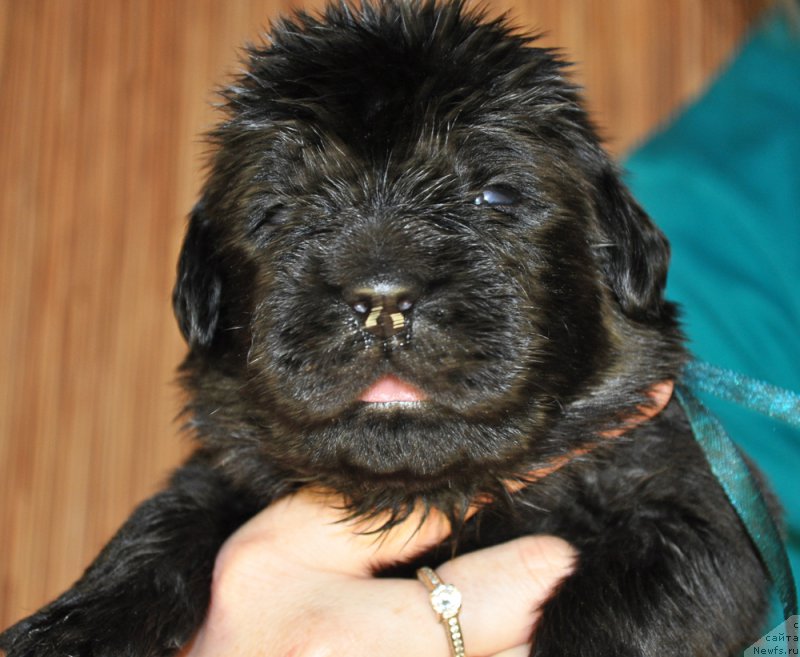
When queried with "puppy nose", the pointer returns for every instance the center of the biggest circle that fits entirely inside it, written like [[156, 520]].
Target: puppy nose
[[384, 308]]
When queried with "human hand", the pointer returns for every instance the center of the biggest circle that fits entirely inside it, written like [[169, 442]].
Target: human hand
[[295, 580]]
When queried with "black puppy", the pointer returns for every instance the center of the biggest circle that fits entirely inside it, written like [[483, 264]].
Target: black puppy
[[414, 275]]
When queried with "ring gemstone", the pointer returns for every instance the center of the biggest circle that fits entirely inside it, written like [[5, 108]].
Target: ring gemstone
[[446, 600]]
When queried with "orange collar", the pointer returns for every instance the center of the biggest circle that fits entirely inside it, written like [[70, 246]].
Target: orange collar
[[660, 394]]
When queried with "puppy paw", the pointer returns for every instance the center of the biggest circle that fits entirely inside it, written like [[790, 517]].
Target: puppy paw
[[62, 629], [93, 626], [577, 635], [45, 634], [596, 613], [593, 617]]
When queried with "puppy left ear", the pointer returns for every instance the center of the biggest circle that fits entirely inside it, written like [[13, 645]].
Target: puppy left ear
[[198, 289], [634, 252]]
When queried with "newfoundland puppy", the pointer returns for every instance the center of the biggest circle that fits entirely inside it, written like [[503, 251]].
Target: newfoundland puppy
[[413, 276]]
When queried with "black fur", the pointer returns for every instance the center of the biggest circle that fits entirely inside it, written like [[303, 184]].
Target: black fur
[[352, 154]]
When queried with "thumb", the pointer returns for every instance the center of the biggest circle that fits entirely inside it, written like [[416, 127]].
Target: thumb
[[311, 529]]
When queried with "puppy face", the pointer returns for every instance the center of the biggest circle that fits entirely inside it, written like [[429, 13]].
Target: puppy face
[[413, 269]]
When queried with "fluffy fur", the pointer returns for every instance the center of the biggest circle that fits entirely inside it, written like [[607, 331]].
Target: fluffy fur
[[427, 149]]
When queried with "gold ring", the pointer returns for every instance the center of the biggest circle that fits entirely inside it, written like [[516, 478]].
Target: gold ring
[[446, 602]]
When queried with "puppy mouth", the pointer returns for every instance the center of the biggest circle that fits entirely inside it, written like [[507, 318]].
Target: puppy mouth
[[390, 390]]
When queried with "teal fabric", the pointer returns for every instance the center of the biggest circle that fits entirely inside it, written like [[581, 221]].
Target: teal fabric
[[740, 485], [723, 182]]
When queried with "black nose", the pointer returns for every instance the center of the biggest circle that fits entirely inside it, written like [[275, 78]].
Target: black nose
[[384, 308]]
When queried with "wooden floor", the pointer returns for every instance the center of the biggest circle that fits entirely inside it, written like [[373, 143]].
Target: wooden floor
[[102, 108]]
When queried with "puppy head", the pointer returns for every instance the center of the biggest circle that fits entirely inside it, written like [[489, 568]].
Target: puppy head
[[413, 271]]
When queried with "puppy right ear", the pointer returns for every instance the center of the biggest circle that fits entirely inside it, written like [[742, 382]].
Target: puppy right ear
[[637, 254], [198, 289]]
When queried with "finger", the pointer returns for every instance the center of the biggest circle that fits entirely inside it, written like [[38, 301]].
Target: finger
[[516, 651], [311, 529], [503, 588]]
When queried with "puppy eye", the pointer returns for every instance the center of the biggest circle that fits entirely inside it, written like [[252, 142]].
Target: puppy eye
[[497, 195], [268, 217]]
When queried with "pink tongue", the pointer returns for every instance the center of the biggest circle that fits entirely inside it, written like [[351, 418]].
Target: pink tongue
[[391, 389]]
